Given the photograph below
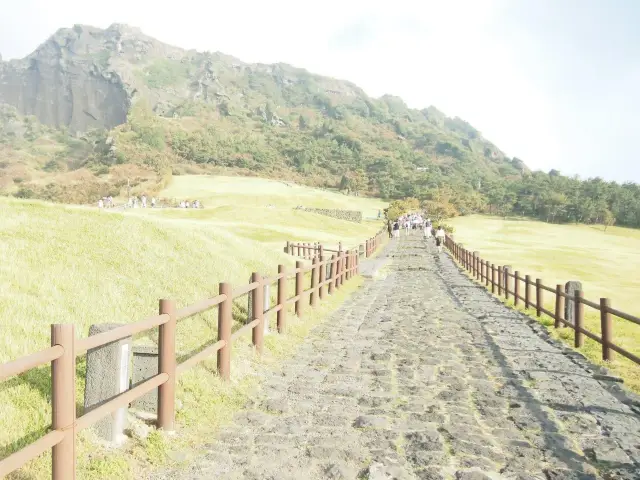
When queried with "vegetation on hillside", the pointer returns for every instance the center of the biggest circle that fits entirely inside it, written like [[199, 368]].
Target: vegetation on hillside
[[206, 112]]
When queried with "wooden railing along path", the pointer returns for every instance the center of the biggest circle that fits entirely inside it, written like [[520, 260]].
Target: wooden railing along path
[[65, 347], [499, 280], [309, 250]]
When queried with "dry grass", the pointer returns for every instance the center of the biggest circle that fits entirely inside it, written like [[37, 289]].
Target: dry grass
[[74, 264], [605, 263]]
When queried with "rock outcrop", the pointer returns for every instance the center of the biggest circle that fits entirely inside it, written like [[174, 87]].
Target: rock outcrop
[[66, 82]]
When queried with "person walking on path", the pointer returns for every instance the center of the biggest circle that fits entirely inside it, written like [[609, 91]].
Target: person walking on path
[[427, 236], [396, 230], [440, 236], [390, 228]]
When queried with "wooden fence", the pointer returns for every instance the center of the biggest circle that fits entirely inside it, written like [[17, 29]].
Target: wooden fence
[[65, 347], [309, 250], [498, 279]]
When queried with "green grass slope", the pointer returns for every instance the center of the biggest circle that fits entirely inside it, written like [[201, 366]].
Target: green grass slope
[[75, 264]]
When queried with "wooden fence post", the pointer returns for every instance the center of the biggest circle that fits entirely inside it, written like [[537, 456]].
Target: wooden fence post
[[354, 263], [474, 259], [299, 288], [313, 298], [322, 270], [478, 267], [224, 331], [516, 288], [343, 268], [348, 265], [559, 306], [257, 307], [332, 274], [287, 247], [527, 291], [505, 276], [167, 364], [63, 402], [493, 278], [579, 318], [539, 297], [486, 273], [606, 327], [500, 279], [282, 299]]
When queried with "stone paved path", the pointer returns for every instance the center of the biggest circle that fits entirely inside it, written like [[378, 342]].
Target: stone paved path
[[422, 375]]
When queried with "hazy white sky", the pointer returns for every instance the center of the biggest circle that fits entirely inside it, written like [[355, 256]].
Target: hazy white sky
[[553, 82]]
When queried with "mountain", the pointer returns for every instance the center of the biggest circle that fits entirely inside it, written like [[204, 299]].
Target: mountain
[[92, 110]]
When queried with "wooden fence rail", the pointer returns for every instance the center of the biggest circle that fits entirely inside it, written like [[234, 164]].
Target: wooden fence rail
[[499, 280], [309, 250], [64, 349]]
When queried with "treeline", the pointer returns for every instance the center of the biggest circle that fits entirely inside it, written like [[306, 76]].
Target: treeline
[[550, 197]]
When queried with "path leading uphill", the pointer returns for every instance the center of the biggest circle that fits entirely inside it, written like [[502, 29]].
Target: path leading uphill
[[422, 375]]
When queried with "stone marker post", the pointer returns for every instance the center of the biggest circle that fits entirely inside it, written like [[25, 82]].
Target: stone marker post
[[145, 366], [569, 304], [107, 376], [267, 302]]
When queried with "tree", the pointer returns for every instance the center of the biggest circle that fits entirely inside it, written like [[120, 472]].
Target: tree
[[358, 182], [397, 208], [608, 219]]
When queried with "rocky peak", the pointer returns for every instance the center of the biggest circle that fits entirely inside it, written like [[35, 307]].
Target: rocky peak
[[67, 82]]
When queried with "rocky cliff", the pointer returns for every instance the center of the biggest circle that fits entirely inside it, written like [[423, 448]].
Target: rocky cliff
[[128, 99], [67, 82]]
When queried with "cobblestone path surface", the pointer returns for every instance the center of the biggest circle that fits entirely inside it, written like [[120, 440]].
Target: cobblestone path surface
[[423, 375]]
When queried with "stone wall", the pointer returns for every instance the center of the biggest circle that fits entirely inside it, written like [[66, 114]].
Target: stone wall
[[350, 215]]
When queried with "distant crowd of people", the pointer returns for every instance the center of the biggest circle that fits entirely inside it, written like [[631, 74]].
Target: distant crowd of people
[[135, 202], [188, 204], [416, 221], [143, 202], [106, 202]]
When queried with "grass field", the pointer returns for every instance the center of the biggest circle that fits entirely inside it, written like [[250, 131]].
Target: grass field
[[74, 264], [605, 262]]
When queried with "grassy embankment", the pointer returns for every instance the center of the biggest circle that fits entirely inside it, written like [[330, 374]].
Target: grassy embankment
[[73, 264], [605, 262]]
